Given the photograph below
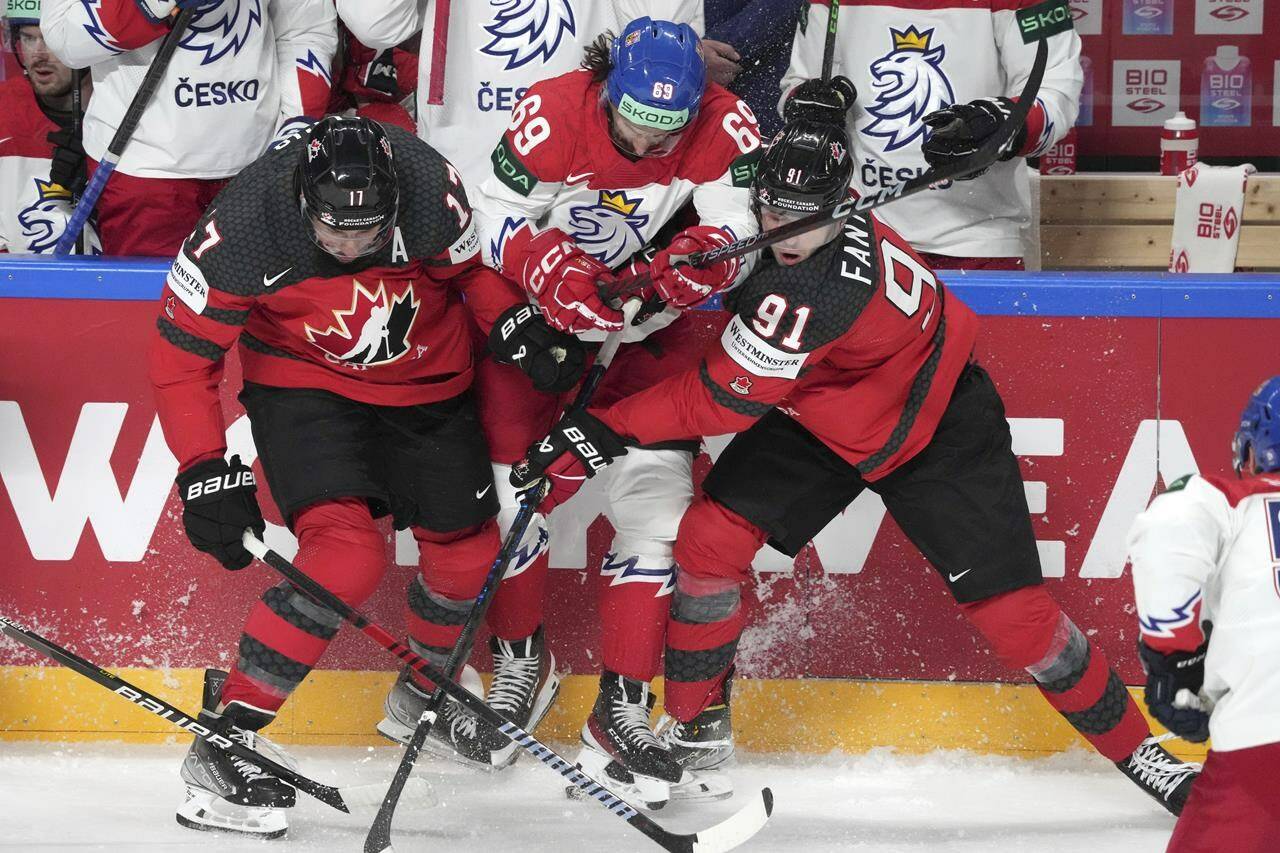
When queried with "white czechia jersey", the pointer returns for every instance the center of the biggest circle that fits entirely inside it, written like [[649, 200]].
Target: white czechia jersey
[[242, 68], [479, 57], [556, 167], [908, 58], [1208, 550]]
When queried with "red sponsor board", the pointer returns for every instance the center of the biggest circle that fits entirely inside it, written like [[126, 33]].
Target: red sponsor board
[[97, 558], [1215, 60]]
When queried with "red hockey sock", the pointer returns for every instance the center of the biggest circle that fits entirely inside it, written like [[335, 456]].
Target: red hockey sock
[[453, 569], [516, 611], [1028, 630], [633, 609], [713, 553], [287, 632]]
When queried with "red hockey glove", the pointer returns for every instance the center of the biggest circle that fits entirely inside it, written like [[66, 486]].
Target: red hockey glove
[[566, 281], [684, 286], [577, 448]]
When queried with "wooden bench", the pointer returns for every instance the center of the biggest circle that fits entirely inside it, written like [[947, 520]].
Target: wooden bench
[[1126, 222]]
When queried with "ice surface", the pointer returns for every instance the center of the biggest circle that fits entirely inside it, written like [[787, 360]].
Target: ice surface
[[74, 798]]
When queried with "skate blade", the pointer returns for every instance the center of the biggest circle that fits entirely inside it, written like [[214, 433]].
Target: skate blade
[[509, 754], [206, 811], [642, 792]]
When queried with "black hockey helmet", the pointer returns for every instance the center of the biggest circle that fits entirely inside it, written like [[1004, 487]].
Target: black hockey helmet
[[806, 169], [347, 179]]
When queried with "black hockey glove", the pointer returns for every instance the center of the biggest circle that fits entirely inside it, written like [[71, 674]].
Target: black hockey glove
[[552, 360], [1173, 690], [67, 169], [816, 100], [380, 75], [218, 505], [578, 447], [960, 129]]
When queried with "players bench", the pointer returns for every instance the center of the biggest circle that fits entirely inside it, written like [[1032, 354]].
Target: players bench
[[1119, 221]]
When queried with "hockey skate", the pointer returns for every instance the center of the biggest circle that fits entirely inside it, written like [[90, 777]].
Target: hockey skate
[[454, 734], [621, 751], [226, 792], [1167, 778], [702, 746], [523, 689]]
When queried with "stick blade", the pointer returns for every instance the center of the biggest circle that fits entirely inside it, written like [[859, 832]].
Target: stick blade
[[417, 791], [736, 829]]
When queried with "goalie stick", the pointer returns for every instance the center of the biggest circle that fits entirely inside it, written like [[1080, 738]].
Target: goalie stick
[[378, 839], [722, 837], [342, 799]]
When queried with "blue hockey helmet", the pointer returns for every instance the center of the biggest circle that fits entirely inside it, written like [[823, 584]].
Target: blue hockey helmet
[[655, 83], [1260, 428]]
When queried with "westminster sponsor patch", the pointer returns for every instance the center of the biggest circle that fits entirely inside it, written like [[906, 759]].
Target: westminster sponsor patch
[[756, 355], [187, 281]]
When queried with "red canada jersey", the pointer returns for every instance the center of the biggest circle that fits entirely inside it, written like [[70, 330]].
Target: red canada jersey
[[388, 330], [860, 343]]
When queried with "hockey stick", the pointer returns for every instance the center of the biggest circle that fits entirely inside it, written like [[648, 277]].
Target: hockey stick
[[341, 799], [123, 133], [379, 838], [829, 45], [722, 837], [77, 132]]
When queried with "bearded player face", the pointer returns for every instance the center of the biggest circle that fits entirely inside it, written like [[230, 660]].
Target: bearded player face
[[49, 77]]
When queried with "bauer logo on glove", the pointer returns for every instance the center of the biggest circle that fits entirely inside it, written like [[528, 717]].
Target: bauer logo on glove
[[237, 478]]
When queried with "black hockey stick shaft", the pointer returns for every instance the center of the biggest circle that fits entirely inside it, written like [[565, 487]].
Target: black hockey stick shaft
[[731, 832], [981, 159], [124, 133], [829, 45], [77, 134], [379, 836], [326, 794]]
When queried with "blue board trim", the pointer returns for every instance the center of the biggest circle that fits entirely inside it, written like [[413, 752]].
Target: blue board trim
[[1039, 294]]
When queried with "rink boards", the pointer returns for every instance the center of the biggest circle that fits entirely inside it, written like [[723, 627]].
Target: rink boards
[[1112, 383]]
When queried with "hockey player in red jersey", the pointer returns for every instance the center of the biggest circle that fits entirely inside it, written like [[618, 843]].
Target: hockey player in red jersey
[[242, 71], [594, 165], [848, 366], [41, 159], [357, 358], [1206, 579]]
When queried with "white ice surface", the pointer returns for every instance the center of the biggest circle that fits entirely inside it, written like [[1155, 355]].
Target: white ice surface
[[74, 798]]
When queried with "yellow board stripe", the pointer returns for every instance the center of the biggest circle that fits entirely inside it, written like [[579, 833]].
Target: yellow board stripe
[[770, 715]]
